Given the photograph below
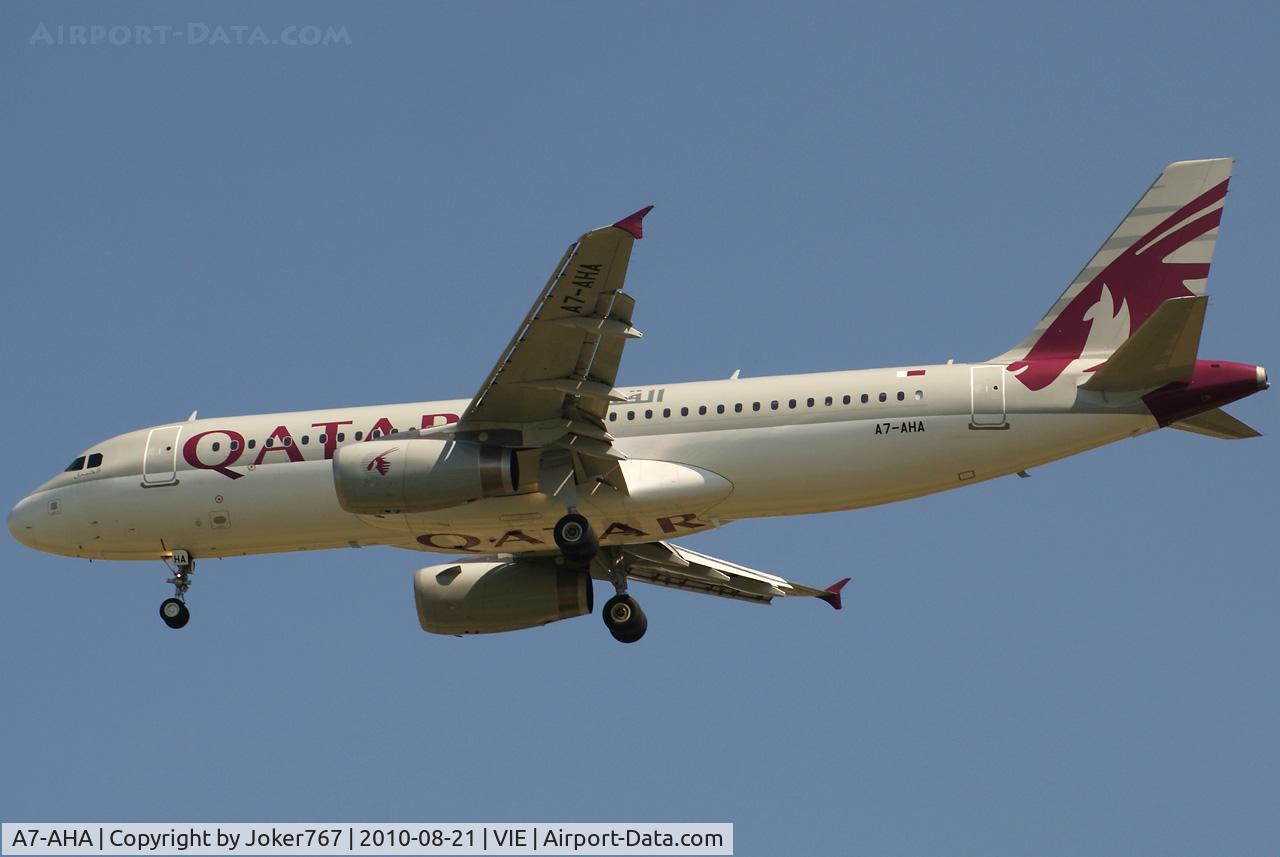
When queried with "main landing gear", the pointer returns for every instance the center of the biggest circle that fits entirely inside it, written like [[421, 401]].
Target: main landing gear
[[624, 618], [575, 538], [174, 610], [578, 543]]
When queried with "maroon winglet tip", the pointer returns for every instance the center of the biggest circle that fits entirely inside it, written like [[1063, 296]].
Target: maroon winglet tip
[[833, 593], [632, 224]]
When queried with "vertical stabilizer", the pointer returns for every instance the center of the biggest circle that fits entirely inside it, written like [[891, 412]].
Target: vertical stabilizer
[[1161, 250]]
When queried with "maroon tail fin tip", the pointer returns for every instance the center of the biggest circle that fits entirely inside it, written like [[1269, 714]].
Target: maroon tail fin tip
[[633, 223], [833, 593]]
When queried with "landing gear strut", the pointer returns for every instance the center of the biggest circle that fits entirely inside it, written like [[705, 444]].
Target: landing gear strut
[[174, 610], [622, 614], [575, 538]]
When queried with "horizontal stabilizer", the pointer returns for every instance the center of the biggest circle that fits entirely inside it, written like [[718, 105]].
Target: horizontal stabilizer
[[1161, 351], [1216, 423]]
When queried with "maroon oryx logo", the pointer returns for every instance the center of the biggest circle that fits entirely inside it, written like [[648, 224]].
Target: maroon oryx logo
[[1141, 277], [379, 462]]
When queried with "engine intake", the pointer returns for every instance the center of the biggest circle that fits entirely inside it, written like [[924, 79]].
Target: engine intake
[[419, 474], [488, 597]]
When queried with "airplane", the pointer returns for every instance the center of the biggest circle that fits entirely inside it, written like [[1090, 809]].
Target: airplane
[[551, 476]]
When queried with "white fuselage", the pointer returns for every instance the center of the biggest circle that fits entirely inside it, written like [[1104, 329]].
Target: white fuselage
[[787, 445]]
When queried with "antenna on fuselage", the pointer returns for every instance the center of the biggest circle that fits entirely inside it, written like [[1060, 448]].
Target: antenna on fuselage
[[736, 373], [192, 417]]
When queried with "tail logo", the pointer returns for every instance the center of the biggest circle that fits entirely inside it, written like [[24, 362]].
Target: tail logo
[[1125, 292], [379, 462]]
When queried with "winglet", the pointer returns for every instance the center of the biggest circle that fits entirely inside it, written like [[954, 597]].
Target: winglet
[[632, 223], [833, 593]]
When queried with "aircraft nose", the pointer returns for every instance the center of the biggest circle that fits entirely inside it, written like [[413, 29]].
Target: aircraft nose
[[22, 521]]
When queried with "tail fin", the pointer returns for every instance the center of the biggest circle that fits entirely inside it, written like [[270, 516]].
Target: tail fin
[[1161, 250]]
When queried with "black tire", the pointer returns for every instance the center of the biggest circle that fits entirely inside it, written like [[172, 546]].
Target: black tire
[[575, 538], [174, 613], [624, 619], [635, 632]]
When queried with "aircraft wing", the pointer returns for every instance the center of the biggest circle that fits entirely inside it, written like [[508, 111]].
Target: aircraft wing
[[680, 568], [554, 382]]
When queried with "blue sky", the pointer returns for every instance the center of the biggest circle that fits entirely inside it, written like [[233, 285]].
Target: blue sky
[[1079, 662]]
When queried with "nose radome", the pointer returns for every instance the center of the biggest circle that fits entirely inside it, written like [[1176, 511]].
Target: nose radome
[[22, 521]]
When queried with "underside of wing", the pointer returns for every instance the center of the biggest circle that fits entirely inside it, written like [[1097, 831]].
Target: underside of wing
[[666, 564], [554, 382]]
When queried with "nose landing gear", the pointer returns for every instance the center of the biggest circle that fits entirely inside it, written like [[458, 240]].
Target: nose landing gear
[[174, 610], [174, 613]]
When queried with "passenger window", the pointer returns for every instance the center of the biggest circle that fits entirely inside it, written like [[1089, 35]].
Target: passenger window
[[774, 404], [613, 417], [235, 444], [755, 406], [684, 412], [702, 410], [791, 403], [252, 443], [809, 403], [901, 395], [737, 409], [919, 395], [374, 435], [288, 441], [270, 442], [648, 415], [306, 438], [883, 397], [631, 415], [719, 409], [359, 435], [848, 399], [78, 464], [828, 401], [666, 412], [342, 435], [323, 438], [865, 398], [216, 446]]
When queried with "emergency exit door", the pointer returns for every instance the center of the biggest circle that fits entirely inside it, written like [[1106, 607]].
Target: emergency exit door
[[160, 460], [988, 398]]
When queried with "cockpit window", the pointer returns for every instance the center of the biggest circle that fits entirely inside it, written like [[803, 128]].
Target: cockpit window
[[78, 464], [95, 460]]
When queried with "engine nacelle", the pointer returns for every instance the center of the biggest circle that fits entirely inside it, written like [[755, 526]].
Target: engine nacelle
[[487, 597], [419, 474]]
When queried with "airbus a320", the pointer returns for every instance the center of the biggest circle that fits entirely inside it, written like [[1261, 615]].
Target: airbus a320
[[552, 476]]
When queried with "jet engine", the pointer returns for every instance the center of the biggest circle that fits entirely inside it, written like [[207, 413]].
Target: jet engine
[[420, 474], [487, 597]]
